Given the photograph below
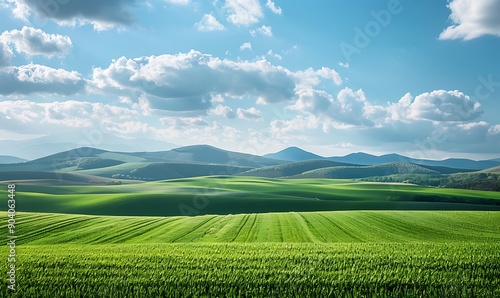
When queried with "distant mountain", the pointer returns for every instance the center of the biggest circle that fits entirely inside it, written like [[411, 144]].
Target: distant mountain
[[358, 158], [491, 170], [7, 159], [368, 159], [55, 143], [460, 163], [291, 169], [163, 171], [212, 155], [367, 171], [293, 154]]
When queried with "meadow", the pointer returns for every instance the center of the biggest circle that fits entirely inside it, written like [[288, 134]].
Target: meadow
[[254, 237], [310, 254], [233, 195]]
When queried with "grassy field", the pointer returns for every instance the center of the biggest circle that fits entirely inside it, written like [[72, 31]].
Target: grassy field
[[238, 246], [299, 227], [232, 195], [260, 270], [319, 254]]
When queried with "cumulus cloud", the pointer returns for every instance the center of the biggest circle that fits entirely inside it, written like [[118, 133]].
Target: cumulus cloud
[[246, 46], [209, 23], [101, 14], [272, 6], [273, 54], [179, 2], [264, 30], [244, 12], [249, 114], [34, 78], [183, 121], [472, 19], [5, 54], [224, 111], [346, 110], [309, 78], [168, 80], [33, 41], [441, 105], [71, 113]]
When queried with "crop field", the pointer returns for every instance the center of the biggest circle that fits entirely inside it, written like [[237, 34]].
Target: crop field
[[233, 195], [331, 238], [317, 254], [301, 227], [260, 270]]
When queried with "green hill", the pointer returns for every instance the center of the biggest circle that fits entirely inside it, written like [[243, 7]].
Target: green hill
[[51, 177], [491, 170], [233, 195], [291, 169], [212, 155], [351, 172], [163, 171]]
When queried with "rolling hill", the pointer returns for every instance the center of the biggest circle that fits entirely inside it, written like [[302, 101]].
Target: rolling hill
[[291, 169], [491, 170], [7, 159], [211, 155], [293, 154], [351, 172]]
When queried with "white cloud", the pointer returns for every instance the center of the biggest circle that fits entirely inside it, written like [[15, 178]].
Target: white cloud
[[272, 6], [283, 128], [309, 78], [33, 41], [441, 105], [101, 14], [71, 113], [209, 23], [244, 12], [223, 111], [246, 46], [344, 111], [34, 78], [249, 114], [472, 19], [168, 80], [272, 54], [178, 2], [344, 65], [183, 121], [264, 30], [494, 129], [5, 54]]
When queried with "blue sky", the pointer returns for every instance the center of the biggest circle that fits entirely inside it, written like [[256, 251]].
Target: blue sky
[[420, 78]]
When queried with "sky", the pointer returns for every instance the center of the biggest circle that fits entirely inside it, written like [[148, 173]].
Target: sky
[[419, 78]]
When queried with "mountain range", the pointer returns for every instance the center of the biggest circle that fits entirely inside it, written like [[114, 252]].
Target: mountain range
[[205, 160], [360, 158]]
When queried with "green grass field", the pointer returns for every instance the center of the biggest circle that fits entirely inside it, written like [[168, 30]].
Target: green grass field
[[233, 195], [319, 254], [300, 227], [239, 246]]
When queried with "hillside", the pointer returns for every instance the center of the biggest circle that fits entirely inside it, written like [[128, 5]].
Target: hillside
[[234, 195], [293, 154], [163, 171], [491, 170], [212, 155], [291, 169], [7, 159], [52, 177], [366, 171]]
